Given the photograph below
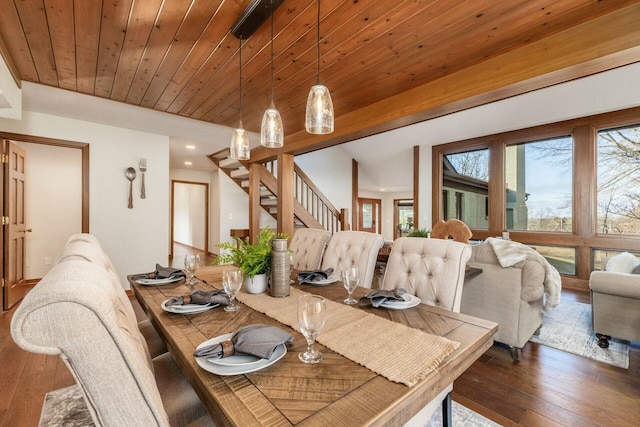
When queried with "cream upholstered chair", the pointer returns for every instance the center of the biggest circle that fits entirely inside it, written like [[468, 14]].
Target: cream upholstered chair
[[433, 270], [86, 246], [75, 312], [615, 305], [307, 246], [353, 248]]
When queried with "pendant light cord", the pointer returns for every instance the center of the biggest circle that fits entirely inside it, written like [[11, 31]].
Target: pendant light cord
[[240, 56], [318, 80], [272, 52]]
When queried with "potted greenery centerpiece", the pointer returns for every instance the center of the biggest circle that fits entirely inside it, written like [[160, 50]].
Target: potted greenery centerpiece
[[420, 232], [254, 260]]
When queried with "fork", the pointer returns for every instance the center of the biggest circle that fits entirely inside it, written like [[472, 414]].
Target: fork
[[143, 168]]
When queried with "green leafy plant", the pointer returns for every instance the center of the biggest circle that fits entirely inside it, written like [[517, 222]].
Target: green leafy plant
[[420, 232], [252, 259]]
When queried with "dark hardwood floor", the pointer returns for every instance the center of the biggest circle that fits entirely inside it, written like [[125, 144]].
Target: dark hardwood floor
[[547, 387]]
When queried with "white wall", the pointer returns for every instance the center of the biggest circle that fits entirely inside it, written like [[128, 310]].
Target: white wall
[[53, 203], [135, 239]]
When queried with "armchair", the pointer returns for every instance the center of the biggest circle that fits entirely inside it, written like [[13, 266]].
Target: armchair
[[615, 305]]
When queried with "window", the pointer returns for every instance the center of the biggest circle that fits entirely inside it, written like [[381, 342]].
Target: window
[[562, 258], [570, 189], [403, 217], [539, 185], [466, 178], [619, 181]]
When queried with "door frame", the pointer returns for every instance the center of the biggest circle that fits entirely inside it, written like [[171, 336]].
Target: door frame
[[206, 213], [84, 146]]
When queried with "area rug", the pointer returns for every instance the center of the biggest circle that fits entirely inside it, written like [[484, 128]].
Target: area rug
[[461, 417], [65, 408], [568, 328]]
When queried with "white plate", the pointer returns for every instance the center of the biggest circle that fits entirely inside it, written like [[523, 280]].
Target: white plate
[[323, 282], [409, 301], [187, 308], [156, 282], [220, 369]]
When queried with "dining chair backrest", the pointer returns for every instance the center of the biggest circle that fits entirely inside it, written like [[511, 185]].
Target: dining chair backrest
[[75, 312], [307, 247], [431, 269], [451, 228], [353, 248]]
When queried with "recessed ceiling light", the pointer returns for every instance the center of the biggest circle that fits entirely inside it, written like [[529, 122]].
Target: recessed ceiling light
[[382, 189], [188, 163], [191, 147]]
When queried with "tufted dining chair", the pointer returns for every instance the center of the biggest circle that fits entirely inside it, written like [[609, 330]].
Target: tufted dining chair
[[433, 270], [87, 247], [307, 247], [75, 312], [353, 248]]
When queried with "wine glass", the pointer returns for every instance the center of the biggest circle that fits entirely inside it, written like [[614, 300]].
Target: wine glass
[[191, 265], [232, 282], [350, 278], [311, 311]]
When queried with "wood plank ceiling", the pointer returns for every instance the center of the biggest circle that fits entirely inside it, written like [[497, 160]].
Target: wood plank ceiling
[[178, 56]]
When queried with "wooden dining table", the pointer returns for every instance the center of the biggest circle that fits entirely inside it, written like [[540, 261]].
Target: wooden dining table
[[335, 392]]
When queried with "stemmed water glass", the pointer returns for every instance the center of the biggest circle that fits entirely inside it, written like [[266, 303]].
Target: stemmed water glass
[[232, 282], [311, 313], [191, 265], [350, 278]]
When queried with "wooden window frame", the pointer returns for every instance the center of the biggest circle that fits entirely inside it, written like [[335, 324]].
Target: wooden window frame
[[583, 237]]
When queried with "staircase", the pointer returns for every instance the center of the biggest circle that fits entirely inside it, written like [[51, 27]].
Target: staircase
[[311, 208]]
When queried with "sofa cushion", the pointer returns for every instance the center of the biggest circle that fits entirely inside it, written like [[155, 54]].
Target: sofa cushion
[[622, 263]]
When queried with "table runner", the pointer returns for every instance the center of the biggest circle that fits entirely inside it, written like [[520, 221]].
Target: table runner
[[406, 355]]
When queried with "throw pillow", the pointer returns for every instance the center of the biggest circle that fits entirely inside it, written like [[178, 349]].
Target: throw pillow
[[623, 263]]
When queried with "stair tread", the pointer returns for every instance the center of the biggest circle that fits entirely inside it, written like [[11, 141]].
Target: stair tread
[[229, 163]]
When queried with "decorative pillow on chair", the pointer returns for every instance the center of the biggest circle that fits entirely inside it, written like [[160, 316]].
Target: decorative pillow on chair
[[623, 263]]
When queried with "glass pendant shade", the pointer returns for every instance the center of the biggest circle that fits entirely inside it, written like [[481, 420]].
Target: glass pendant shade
[[272, 131], [240, 144], [319, 116]]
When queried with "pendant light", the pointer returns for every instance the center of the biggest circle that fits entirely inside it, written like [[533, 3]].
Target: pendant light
[[271, 131], [240, 148], [319, 116]]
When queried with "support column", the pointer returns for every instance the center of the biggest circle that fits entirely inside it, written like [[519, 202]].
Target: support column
[[285, 194]]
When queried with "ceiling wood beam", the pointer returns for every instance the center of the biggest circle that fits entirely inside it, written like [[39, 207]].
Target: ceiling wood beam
[[602, 44]]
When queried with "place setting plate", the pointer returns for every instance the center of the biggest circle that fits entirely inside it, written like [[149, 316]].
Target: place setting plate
[[157, 282], [322, 282], [409, 301], [237, 364], [187, 308]]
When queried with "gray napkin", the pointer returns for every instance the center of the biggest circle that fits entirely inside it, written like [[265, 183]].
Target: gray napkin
[[258, 340], [166, 272], [201, 297], [379, 296], [312, 276]]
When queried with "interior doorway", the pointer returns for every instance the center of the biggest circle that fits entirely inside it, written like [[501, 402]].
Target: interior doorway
[[190, 215], [369, 217], [15, 240]]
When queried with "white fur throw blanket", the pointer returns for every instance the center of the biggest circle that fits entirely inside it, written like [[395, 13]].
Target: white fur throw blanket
[[510, 253]]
